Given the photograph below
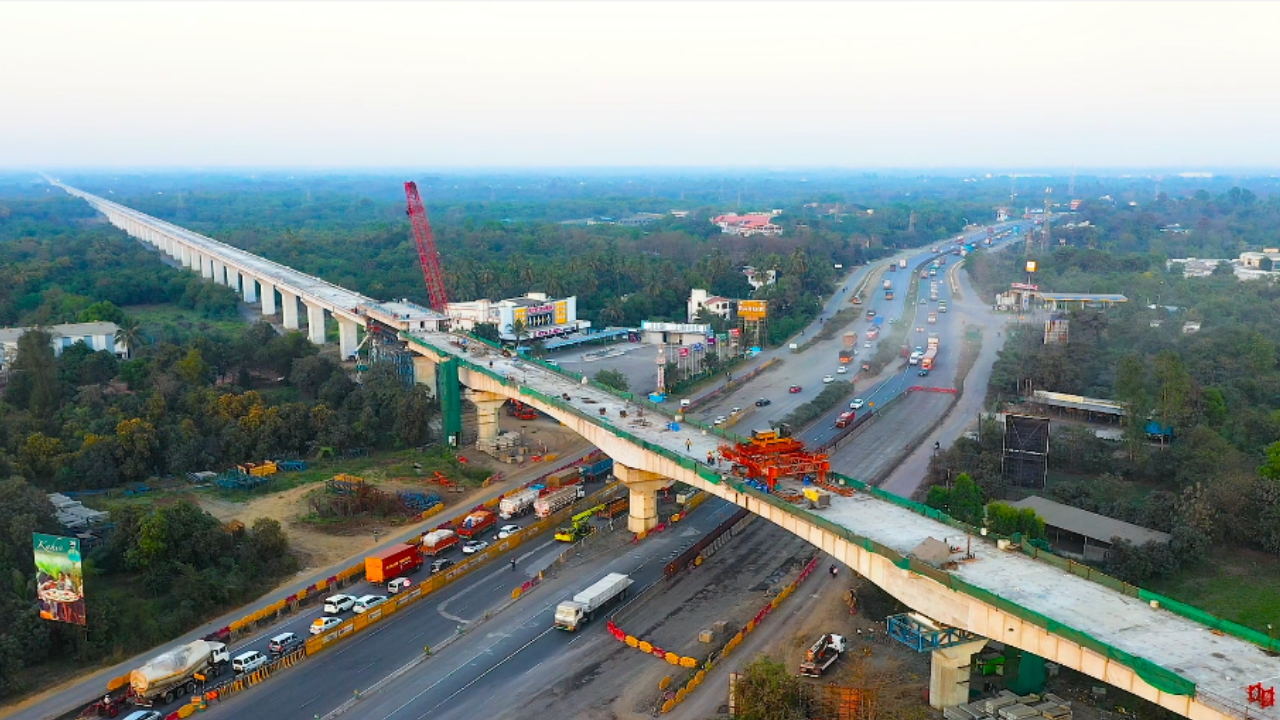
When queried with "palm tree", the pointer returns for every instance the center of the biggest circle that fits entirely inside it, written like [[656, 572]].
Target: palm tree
[[520, 330], [129, 334]]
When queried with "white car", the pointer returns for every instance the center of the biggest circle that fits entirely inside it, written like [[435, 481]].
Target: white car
[[324, 624], [842, 369], [720, 420], [857, 404], [335, 604], [866, 345], [368, 602], [828, 379], [248, 662], [507, 531], [474, 546]]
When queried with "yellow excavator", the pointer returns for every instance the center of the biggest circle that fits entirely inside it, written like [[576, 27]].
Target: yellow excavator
[[580, 525]]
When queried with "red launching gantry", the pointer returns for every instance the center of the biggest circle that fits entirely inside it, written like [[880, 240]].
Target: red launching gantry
[[768, 456]]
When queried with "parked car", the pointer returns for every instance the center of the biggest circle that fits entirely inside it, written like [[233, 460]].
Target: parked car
[[284, 643], [507, 531], [763, 401], [324, 624], [248, 662], [794, 389], [335, 604], [398, 585], [440, 565], [474, 546], [368, 602], [857, 404], [828, 379]]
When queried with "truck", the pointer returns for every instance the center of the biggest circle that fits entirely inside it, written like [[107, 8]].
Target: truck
[[930, 354], [517, 503], [942, 306], [933, 318], [562, 478], [573, 614], [520, 411], [845, 418], [388, 564], [437, 541], [846, 356], [924, 274], [902, 263], [888, 284], [873, 333], [914, 358], [556, 499], [178, 672], [822, 655], [893, 267], [476, 523], [595, 467], [850, 339], [888, 294]]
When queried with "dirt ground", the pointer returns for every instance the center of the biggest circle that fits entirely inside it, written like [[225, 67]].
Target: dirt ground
[[319, 546]]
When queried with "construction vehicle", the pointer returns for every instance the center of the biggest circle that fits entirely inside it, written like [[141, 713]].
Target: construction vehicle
[[520, 411], [573, 614], [517, 503], [437, 541], [389, 564], [428, 256], [822, 655], [771, 454], [579, 525], [181, 671], [556, 499], [474, 524]]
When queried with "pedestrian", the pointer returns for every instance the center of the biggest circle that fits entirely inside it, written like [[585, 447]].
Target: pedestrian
[[834, 570], [688, 445], [513, 564]]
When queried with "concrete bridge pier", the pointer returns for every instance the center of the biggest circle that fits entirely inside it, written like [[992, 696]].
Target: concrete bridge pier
[[250, 290], [315, 323], [347, 337], [268, 298], [289, 310], [184, 254], [233, 278], [219, 272], [206, 267], [949, 674], [643, 487], [488, 405]]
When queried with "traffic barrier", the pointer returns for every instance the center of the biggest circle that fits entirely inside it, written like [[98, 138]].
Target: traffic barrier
[[648, 648]]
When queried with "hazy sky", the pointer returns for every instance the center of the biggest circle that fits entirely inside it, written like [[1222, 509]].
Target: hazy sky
[[855, 84]]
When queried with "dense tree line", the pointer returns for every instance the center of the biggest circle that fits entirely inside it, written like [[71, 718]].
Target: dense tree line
[[1218, 388]]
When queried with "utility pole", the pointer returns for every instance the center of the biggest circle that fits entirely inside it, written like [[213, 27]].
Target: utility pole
[[1048, 210]]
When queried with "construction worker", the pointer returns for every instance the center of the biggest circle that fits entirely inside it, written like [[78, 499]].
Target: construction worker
[[688, 445], [513, 564]]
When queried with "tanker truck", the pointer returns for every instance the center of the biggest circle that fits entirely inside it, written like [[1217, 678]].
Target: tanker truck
[[517, 503], [178, 672]]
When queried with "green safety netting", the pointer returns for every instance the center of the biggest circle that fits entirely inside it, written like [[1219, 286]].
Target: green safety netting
[[1213, 621]]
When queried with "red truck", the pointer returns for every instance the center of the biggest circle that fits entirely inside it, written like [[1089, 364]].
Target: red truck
[[476, 523], [437, 541], [389, 564], [845, 418]]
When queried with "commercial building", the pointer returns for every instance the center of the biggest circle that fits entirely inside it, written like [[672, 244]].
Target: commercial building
[[747, 225], [97, 335], [542, 317]]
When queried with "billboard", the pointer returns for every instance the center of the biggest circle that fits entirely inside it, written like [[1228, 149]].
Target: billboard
[[59, 578], [753, 309]]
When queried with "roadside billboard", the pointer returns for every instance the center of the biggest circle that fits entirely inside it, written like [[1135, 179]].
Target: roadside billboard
[[59, 578], [753, 309]]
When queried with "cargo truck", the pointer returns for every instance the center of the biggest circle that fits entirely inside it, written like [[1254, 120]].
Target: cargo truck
[[573, 614], [930, 354], [517, 503], [389, 564], [845, 418], [850, 339], [888, 294], [902, 263], [596, 467], [822, 655], [942, 306], [933, 318], [179, 672], [474, 524], [562, 478], [556, 499], [888, 284], [846, 356], [437, 541]]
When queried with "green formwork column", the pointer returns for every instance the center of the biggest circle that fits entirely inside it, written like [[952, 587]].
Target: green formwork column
[[1023, 671], [449, 390]]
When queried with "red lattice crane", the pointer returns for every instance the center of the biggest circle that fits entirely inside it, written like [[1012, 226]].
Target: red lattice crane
[[427, 254]]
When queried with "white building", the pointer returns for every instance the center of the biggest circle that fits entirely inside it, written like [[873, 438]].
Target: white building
[[542, 317], [406, 316], [759, 278], [97, 335], [747, 225], [714, 304]]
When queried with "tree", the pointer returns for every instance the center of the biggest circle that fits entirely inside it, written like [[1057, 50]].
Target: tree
[[1132, 390], [129, 334], [613, 379], [192, 368], [413, 418], [520, 330], [137, 445], [766, 690], [39, 457], [487, 331], [311, 373], [33, 376], [1176, 389]]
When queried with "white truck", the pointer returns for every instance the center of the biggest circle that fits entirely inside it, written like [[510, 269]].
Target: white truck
[[888, 284], [517, 503], [178, 672], [573, 614], [902, 263], [822, 655], [556, 499]]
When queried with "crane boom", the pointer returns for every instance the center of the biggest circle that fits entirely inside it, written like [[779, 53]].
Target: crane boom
[[428, 257]]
